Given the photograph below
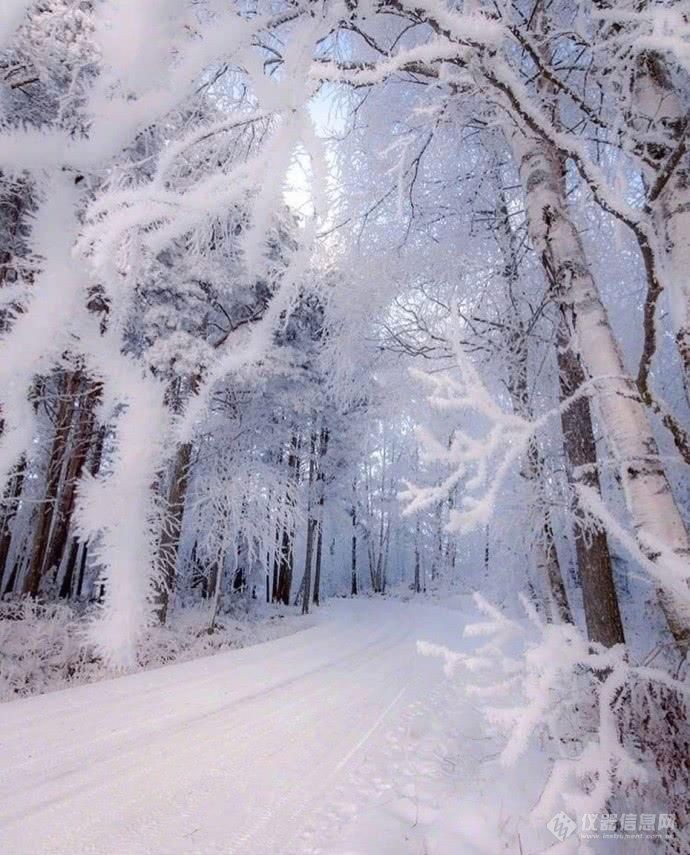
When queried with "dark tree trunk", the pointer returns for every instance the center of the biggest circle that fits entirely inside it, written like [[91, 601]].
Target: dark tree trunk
[[602, 614], [94, 468], [286, 563], [311, 529], [239, 579], [82, 569], [321, 482], [417, 562], [11, 499], [317, 564], [353, 589], [78, 451], [306, 580], [276, 563], [67, 579], [285, 566], [67, 391], [169, 544]]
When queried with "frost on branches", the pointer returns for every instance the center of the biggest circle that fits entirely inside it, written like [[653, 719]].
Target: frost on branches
[[377, 302], [147, 196], [545, 685]]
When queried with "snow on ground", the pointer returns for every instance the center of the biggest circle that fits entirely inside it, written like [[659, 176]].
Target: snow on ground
[[339, 739], [43, 649]]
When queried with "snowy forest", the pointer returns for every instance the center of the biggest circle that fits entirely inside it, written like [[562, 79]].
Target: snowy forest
[[354, 334]]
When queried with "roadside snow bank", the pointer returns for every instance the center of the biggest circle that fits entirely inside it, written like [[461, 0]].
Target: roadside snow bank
[[43, 648]]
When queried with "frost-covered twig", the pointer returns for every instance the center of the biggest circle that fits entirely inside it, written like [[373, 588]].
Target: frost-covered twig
[[547, 682]]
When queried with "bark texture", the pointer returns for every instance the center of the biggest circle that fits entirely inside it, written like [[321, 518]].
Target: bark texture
[[658, 525], [169, 543], [600, 600]]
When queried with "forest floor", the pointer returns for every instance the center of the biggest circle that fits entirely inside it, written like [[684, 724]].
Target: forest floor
[[338, 739]]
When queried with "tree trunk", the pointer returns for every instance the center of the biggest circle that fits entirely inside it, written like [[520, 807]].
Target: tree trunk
[[216, 586], [82, 551], [386, 553], [285, 568], [311, 529], [11, 500], [67, 392], [308, 560], [417, 563], [451, 547], [602, 614], [353, 558], [78, 452], [545, 554], [658, 525], [317, 563], [321, 489], [276, 561], [240, 576], [169, 545], [82, 569], [68, 576]]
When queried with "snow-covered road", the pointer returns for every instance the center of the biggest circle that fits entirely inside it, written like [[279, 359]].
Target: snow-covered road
[[232, 753]]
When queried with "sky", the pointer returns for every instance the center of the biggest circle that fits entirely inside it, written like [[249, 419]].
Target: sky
[[329, 122]]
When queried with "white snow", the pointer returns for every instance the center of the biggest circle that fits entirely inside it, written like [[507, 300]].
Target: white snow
[[245, 751]]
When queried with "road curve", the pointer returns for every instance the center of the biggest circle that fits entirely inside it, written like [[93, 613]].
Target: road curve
[[226, 754]]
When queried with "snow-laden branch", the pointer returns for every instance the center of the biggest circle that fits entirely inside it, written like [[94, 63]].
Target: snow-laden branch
[[41, 333], [482, 463], [173, 65], [458, 43], [116, 510], [547, 682], [106, 225]]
